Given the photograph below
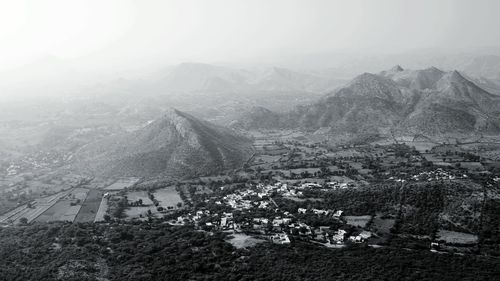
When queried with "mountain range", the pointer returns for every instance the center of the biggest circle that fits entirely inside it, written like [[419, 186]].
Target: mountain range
[[428, 101], [199, 77]]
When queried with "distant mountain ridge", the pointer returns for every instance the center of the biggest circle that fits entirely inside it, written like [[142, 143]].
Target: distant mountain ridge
[[199, 77], [428, 101], [176, 145]]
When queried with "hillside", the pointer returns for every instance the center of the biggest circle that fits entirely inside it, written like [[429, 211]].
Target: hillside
[[175, 145], [428, 101]]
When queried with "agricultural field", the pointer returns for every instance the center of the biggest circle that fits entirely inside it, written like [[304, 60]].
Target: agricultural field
[[136, 195], [421, 146], [358, 221], [122, 183], [103, 209], [168, 197], [67, 208], [33, 210], [267, 158], [90, 206], [139, 211], [382, 225], [453, 237]]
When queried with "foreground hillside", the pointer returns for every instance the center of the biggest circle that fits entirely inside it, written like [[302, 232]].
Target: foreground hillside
[[429, 101], [175, 145], [145, 251]]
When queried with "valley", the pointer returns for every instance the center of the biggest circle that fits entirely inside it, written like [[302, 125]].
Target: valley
[[298, 187], [342, 173]]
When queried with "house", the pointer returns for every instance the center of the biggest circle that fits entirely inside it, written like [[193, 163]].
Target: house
[[338, 237], [182, 219], [310, 185], [320, 212], [338, 214], [365, 235], [280, 238], [301, 210], [360, 237], [434, 247], [281, 221], [333, 184], [223, 222], [263, 205]]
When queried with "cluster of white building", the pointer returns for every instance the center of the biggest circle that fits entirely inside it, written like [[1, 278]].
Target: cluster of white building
[[435, 175]]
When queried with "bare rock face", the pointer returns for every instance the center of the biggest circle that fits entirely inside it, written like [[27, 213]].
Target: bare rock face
[[175, 145]]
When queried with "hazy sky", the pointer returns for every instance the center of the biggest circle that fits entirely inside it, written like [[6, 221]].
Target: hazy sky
[[122, 31]]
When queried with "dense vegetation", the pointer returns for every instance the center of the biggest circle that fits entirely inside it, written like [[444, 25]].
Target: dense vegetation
[[155, 251]]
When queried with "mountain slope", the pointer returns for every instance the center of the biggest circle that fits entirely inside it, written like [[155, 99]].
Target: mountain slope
[[175, 145], [428, 101]]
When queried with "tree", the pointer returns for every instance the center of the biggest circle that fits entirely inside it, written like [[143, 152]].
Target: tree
[[23, 221]]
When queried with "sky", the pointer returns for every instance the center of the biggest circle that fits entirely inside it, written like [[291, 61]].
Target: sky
[[120, 32]]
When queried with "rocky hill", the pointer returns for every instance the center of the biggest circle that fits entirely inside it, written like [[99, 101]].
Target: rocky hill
[[175, 145]]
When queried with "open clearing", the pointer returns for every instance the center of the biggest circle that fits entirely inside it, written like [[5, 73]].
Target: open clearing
[[382, 226], [453, 237], [358, 221], [244, 241]]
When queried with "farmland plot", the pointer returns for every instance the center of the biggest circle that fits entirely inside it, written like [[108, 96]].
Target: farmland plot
[[138, 211], [90, 206], [67, 208], [453, 237], [358, 221], [168, 197], [122, 183], [38, 207]]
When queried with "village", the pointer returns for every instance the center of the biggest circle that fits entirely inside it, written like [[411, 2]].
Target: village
[[253, 211]]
